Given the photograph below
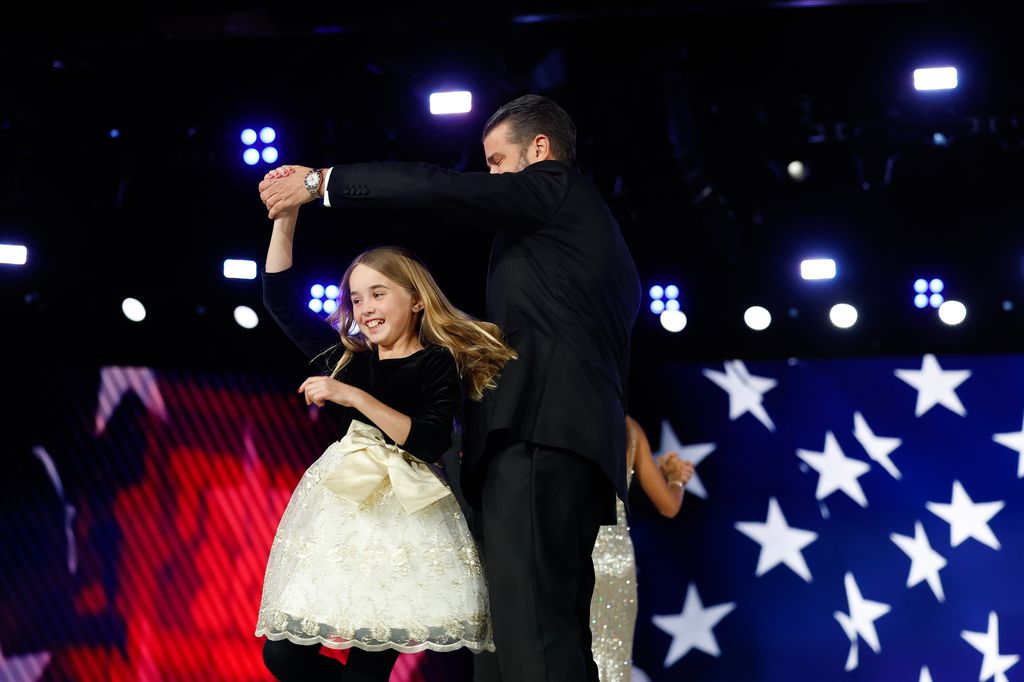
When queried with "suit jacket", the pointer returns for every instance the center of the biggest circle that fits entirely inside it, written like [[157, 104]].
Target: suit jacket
[[562, 286]]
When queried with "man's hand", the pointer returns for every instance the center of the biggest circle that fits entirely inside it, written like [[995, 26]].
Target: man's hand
[[284, 188]]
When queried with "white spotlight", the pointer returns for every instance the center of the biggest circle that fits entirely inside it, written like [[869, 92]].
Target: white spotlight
[[818, 268], [133, 309], [13, 254], [757, 318], [943, 78], [797, 170], [239, 269], [246, 317], [673, 320], [843, 315], [952, 312], [460, 102]]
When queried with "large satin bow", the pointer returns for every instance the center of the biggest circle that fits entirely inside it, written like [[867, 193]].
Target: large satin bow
[[369, 459]]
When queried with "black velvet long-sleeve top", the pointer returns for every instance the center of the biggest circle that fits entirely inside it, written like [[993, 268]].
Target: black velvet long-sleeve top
[[424, 386]]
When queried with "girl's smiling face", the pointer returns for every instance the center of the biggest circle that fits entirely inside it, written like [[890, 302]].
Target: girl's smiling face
[[385, 312]]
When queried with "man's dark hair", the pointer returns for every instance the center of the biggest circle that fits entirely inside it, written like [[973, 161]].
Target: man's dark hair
[[533, 115]]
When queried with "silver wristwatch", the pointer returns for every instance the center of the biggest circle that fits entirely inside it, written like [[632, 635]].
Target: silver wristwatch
[[312, 182]]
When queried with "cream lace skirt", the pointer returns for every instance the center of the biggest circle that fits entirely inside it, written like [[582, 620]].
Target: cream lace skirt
[[373, 552]]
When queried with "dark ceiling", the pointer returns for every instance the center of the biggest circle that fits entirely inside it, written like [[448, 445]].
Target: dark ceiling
[[688, 113]]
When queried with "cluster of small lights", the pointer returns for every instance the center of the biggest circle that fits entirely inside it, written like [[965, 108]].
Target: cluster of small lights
[[664, 298], [665, 304], [928, 292], [266, 136], [323, 299]]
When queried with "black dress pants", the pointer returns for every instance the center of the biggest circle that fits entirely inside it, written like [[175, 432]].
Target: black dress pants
[[542, 509]]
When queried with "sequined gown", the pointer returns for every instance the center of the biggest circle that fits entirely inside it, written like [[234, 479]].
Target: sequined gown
[[370, 565], [613, 606]]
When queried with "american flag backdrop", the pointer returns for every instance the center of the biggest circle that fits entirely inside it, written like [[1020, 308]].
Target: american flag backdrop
[[857, 519], [854, 519]]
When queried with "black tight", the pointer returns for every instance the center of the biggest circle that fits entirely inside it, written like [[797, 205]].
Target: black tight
[[290, 662]]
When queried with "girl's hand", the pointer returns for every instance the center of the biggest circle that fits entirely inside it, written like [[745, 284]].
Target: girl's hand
[[320, 390], [279, 172], [284, 188]]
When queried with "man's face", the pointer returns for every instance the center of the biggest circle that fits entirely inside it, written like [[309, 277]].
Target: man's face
[[504, 156]]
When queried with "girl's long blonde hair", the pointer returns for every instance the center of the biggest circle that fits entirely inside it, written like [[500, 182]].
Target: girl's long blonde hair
[[478, 348]]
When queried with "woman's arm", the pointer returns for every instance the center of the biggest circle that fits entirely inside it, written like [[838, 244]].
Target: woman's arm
[[666, 496]]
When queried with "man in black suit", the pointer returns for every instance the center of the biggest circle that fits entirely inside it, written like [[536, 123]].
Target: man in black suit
[[544, 453]]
